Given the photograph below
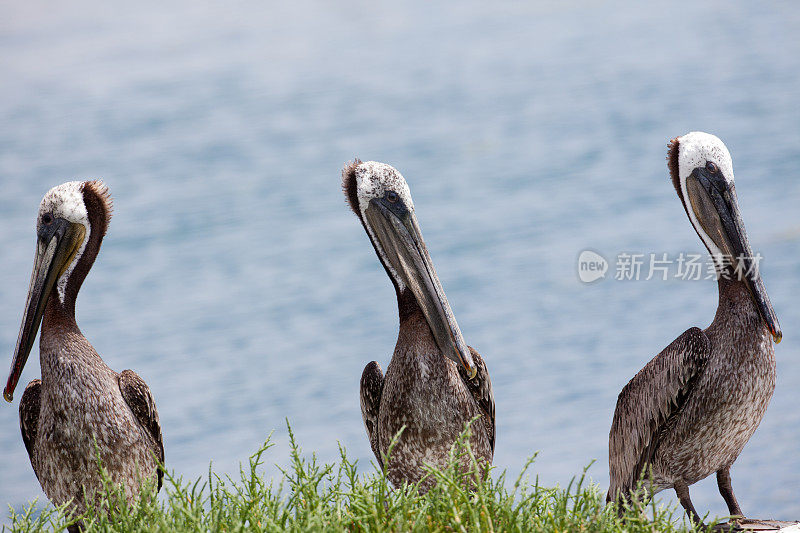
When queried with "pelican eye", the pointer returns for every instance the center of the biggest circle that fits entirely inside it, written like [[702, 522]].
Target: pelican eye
[[47, 219], [712, 167], [392, 196]]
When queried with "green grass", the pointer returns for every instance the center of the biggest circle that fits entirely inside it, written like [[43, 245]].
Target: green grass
[[311, 496]]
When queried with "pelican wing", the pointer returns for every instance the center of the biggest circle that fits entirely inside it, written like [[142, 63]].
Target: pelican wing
[[29, 416], [481, 389], [646, 404], [138, 397], [371, 391]]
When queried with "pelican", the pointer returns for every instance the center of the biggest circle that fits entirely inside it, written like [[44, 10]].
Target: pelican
[[435, 384], [689, 412], [80, 406]]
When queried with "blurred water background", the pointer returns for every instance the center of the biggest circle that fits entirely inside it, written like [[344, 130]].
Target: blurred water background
[[236, 282]]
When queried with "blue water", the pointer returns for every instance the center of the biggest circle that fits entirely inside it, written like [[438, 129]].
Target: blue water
[[236, 282]]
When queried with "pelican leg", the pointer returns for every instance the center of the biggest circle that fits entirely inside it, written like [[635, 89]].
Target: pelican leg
[[725, 488], [682, 490]]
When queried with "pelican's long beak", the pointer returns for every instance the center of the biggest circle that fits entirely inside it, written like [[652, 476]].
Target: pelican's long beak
[[397, 230], [714, 203], [56, 246]]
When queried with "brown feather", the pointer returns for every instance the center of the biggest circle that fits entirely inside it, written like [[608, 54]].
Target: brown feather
[[96, 195], [646, 405], [371, 391], [138, 397], [672, 164], [29, 407], [480, 387], [349, 185]]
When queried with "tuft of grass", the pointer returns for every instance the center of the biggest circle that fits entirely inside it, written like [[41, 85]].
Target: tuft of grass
[[311, 496]]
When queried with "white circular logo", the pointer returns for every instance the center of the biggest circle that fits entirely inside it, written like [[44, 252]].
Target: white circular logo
[[591, 266]]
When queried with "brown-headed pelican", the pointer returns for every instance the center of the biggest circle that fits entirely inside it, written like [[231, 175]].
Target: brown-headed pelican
[[80, 406], [435, 384], [689, 412]]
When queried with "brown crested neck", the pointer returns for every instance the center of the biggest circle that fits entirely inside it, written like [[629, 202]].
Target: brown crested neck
[[407, 305], [98, 210], [736, 304], [58, 315], [79, 273]]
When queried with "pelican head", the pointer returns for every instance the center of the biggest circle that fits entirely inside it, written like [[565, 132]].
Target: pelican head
[[702, 173], [72, 220], [381, 199]]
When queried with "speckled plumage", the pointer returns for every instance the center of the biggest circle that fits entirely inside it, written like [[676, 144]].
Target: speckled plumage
[[80, 402], [690, 411], [423, 390]]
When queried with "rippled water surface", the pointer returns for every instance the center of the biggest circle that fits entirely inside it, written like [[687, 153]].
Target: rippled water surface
[[235, 281]]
